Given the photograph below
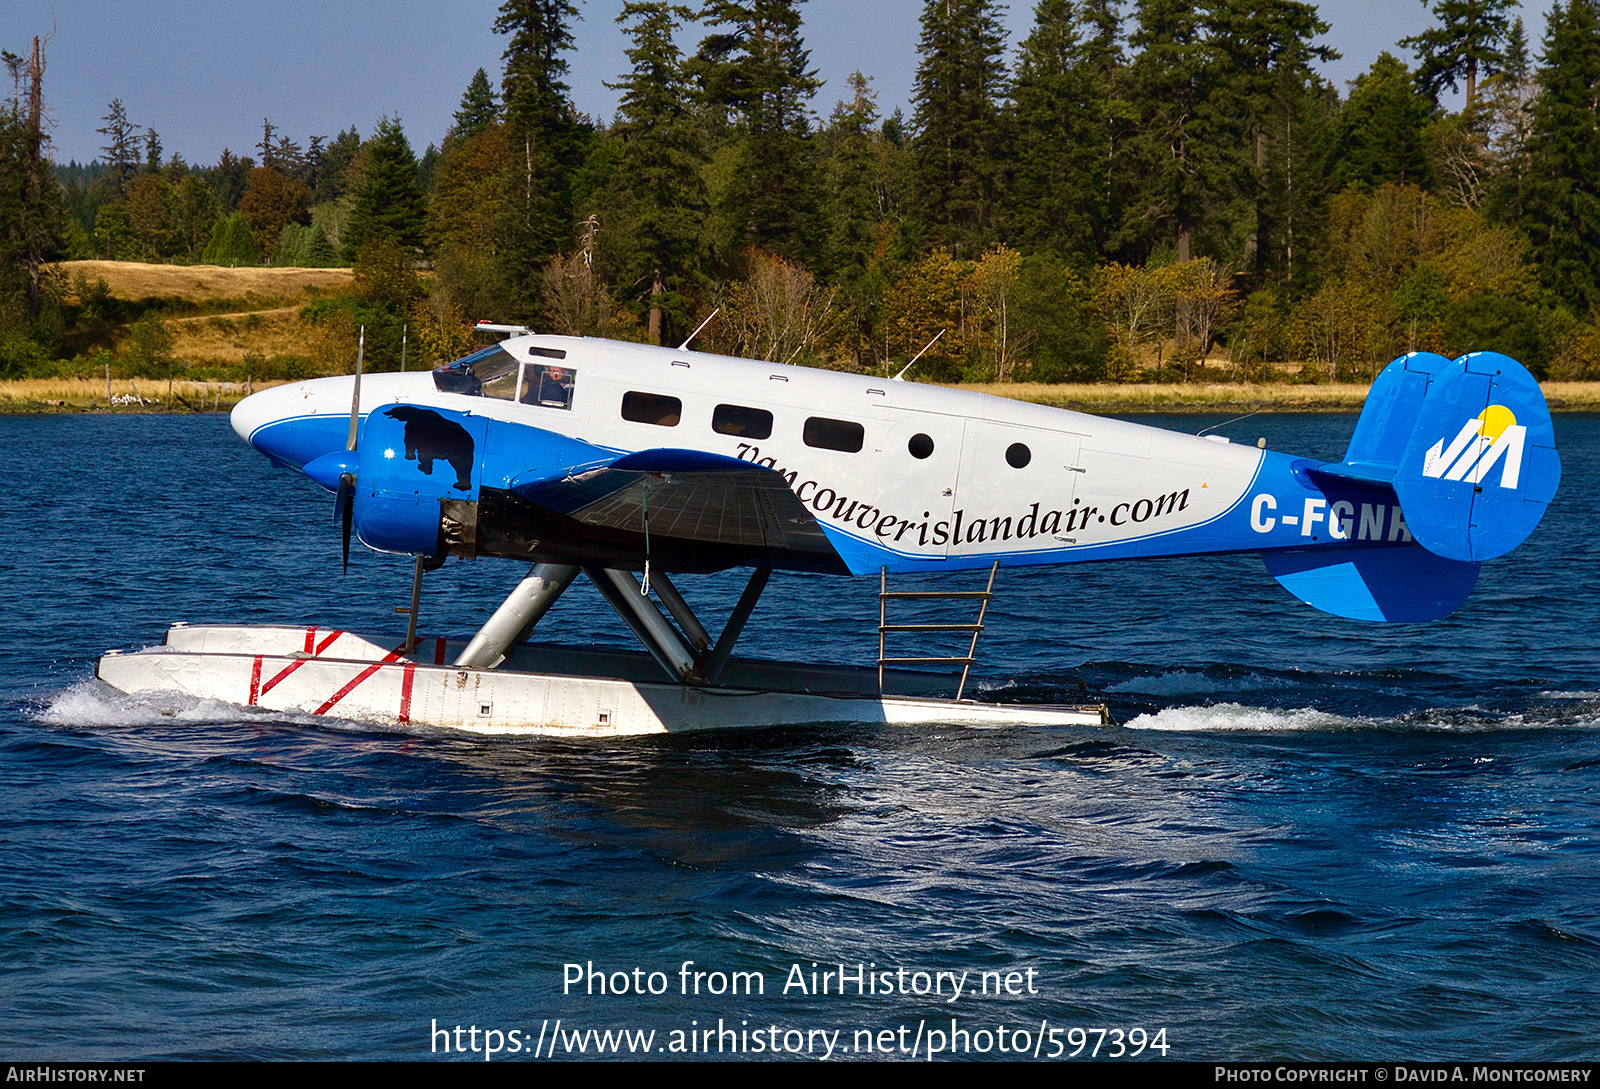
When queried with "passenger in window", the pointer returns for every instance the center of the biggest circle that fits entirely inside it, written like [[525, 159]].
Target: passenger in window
[[549, 386]]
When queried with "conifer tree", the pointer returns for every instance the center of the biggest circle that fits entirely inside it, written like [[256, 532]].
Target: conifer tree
[[229, 177], [32, 222], [544, 136], [478, 109], [1059, 189], [663, 196], [959, 144], [1180, 135], [333, 166], [1265, 82], [121, 147], [1466, 44], [758, 73], [1561, 206], [387, 203], [851, 211], [852, 215], [1509, 96], [231, 243], [1381, 131]]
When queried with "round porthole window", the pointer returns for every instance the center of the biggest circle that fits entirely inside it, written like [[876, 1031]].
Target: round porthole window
[[1018, 455], [921, 446]]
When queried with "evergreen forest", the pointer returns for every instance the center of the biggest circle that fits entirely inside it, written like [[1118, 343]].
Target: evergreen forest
[[1155, 190]]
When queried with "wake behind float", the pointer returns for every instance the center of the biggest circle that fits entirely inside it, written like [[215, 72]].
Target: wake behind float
[[634, 465]]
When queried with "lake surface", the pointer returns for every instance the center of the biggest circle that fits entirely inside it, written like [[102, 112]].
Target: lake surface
[[1311, 838]]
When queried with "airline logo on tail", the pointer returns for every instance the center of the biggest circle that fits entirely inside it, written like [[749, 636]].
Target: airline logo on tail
[[1490, 438]]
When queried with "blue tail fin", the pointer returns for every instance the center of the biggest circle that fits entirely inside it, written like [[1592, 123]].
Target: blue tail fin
[[1469, 451], [1481, 465], [1467, 447]]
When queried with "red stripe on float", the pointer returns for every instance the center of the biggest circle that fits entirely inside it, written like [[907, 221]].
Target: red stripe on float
[[392, 656], [255, 681], [405, 692]]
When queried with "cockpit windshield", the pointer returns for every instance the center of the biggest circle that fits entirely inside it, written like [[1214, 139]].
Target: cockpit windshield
[[489, 372], [494, 372]]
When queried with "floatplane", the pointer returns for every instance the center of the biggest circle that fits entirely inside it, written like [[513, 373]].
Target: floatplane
[[635, 465]]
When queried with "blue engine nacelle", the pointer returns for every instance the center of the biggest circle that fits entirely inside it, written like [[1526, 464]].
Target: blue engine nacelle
[[407, 459], [411, 458]]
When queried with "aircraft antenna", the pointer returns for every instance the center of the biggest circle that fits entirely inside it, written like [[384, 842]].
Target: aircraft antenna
[[1225, 423], [901, 377], [697, 329]]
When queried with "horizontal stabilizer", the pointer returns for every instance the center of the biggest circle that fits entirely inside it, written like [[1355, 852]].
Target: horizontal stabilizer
[[1384, 584]]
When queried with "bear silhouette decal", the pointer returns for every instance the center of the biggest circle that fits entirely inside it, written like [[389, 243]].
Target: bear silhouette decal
[[429, 437]]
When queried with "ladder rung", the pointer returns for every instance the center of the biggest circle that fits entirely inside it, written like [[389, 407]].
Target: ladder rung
[[930, 627], [908, 661], [935, 593]]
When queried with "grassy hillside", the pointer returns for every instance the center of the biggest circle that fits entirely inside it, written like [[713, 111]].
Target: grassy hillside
[[215, 316], [205, 284]]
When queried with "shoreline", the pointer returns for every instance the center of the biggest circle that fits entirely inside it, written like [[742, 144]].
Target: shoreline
[[61, 396]]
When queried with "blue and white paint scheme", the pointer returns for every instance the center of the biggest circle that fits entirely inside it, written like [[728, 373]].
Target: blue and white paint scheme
[[580, 451]]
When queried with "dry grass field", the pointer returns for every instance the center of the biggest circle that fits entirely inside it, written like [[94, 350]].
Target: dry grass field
[[225, 338], [200, 283], [30, 395], [1136, 397], [1183, 396]]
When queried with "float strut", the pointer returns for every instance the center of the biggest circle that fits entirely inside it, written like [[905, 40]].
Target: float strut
[[519, 612], [736, 622], [699, 638], [641, 615], [416, 602]]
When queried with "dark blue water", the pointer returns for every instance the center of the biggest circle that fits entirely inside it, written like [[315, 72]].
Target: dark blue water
[[1313, 838]]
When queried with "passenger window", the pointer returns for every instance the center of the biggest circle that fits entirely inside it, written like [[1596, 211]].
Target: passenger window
[[652, 408], [827, 434], [548, 385], [747, 423]]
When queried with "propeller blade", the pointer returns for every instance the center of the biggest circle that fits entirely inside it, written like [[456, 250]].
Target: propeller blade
[[344, 511], [344, 499], [347, 521], [355, 396]]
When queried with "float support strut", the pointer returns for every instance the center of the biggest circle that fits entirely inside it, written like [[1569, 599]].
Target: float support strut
[[736, 622], [519, 612], [699, 638], [416, 602], [660, 638]]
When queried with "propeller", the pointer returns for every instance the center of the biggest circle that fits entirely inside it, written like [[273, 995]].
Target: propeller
[[343, 500]]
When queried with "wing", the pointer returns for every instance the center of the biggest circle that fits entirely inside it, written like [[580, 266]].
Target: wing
[[687, 495]]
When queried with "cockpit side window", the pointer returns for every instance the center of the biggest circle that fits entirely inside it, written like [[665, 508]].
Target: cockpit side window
[[548, 384], [490, 372]]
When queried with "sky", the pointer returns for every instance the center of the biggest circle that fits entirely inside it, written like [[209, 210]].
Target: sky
[[205, 74]]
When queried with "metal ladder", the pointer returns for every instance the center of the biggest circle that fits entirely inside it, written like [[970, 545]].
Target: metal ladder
[[984, 596]]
